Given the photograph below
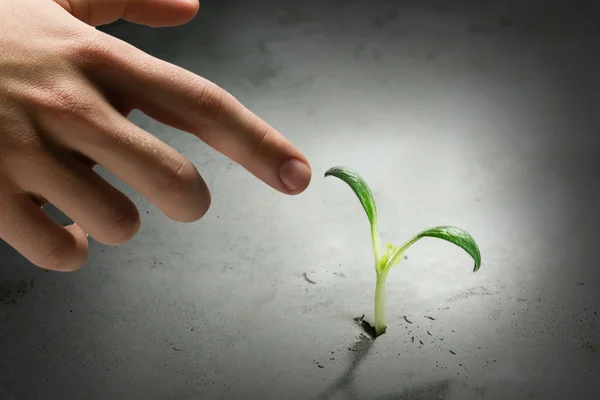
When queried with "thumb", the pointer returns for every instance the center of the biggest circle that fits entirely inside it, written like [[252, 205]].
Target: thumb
[[154, 13]]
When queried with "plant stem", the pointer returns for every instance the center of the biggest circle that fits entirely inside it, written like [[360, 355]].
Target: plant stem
[[380, 324], [376, 245]]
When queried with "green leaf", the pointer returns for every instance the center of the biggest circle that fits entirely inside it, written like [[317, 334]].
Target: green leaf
[[457, 236], [360, 188]]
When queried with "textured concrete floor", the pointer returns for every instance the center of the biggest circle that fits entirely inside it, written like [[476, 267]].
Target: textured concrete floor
[[477, 114]]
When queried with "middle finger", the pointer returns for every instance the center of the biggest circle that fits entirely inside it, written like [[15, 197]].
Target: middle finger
[[160, 173]]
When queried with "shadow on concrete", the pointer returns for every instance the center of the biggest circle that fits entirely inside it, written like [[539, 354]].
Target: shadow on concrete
[[359, 352], [344, 385], [432, 391]]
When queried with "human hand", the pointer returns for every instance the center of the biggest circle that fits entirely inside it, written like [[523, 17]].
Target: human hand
[[65, 92]]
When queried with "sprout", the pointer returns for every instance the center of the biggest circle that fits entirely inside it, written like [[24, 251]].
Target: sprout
[[386, 258]]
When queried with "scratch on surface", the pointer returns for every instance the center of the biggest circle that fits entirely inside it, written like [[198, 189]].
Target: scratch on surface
[[475, 291]]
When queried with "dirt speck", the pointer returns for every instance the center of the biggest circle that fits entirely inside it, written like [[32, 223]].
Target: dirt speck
[[307, 279], [13, 291]]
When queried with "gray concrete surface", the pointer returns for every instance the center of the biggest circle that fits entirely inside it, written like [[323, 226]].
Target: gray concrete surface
[[477, 114]]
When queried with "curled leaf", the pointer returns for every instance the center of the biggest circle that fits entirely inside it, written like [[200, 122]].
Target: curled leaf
[[360, 188], [457, 236]]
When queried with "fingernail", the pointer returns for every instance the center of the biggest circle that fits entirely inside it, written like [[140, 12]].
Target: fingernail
[[295, 175]]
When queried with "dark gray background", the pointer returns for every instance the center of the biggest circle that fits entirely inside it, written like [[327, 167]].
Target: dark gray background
[[481, 114]]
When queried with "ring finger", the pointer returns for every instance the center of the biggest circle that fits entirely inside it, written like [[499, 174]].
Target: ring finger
[[100, 209], [160, 173]]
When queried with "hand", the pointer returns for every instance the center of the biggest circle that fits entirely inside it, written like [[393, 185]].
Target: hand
[[65, 92]]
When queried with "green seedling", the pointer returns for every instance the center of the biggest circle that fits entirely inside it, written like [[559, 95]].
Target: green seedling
[[389, 257]]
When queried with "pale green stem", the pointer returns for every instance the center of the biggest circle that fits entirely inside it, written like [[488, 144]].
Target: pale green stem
[[380, 324], [376, 244]]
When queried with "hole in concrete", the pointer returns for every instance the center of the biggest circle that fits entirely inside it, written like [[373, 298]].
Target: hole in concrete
[[366, 327]]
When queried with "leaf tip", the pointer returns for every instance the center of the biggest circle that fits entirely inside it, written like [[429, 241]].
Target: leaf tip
[[477, 259], [333, 170]]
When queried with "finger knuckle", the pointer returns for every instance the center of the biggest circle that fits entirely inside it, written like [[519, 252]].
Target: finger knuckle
[[184, 191], [90, 49], [181, 179], [210, 101], [123, 225], [264, 131], [60, 254]]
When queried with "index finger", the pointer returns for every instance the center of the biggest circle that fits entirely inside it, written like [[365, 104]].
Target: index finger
[[186, 101]]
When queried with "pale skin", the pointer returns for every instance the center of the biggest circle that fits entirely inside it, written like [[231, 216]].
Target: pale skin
[[66, 90]]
